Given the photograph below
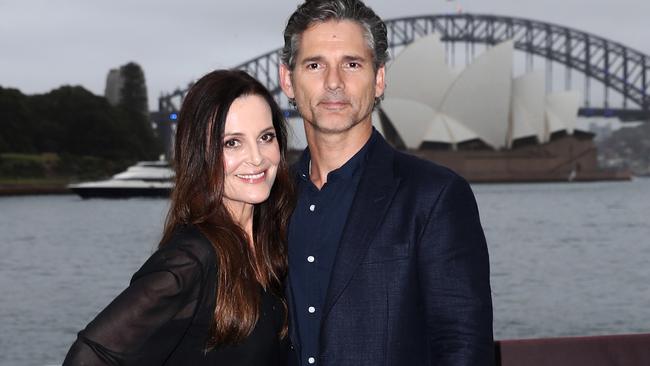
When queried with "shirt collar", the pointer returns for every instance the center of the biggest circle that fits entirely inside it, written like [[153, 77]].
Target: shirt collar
[[347, 170]]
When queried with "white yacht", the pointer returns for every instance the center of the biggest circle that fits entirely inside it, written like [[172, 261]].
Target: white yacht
[[145, 179]]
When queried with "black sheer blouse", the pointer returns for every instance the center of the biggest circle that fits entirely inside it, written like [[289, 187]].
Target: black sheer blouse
[[164, 316]]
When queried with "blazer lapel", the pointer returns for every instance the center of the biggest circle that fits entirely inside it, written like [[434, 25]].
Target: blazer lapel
[[373, 197]]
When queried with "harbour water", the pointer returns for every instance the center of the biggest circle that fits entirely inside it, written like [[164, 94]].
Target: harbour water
[[566, 259]]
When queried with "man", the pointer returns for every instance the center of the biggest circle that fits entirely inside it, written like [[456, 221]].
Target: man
[[388, 262]]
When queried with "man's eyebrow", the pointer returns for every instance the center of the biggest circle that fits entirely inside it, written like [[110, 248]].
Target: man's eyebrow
[[346, 58], [349, 58], [310, 59]]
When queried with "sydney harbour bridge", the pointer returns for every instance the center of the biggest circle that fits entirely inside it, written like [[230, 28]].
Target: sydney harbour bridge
[[604, 67]]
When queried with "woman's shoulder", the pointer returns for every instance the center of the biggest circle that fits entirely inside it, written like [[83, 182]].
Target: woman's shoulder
[[190, 239], [187, 249]]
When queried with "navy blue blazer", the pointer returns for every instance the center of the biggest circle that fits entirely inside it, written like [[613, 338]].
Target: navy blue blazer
[[410, 284]]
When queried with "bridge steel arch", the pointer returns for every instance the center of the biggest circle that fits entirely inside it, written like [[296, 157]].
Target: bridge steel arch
[[616, 66]]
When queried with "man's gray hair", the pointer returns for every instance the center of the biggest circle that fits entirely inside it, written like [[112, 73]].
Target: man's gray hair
[[318, 11]]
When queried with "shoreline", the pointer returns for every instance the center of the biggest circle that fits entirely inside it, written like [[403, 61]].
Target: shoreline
[[33, 189], [61, 189]]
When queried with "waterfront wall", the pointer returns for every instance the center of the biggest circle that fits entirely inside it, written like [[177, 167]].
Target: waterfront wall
[[631, 349], [565, 158]]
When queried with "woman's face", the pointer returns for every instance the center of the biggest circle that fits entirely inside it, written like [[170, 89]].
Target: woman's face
[[251, 153]]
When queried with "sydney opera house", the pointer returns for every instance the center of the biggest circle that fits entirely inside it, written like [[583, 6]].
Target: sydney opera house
[[482, 122]]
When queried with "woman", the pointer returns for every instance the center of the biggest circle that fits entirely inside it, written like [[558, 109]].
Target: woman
[[212, 292]]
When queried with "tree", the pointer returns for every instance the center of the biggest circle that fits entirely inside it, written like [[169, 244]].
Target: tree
[[133, 96], [134, 104], [72, 120], [16, 122]]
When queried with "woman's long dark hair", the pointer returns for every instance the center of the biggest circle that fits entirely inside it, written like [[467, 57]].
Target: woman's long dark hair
[[197, 199]]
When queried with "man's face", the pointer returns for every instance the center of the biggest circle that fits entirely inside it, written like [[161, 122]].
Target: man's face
[[334, 83]]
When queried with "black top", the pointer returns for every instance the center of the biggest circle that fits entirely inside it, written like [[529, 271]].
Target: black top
[[314, 234], [164, 316]]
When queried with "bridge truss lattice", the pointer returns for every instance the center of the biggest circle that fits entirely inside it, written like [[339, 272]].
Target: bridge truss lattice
[[618, 68]]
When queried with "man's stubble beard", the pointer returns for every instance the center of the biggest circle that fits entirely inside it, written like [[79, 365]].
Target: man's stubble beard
[[318, 127]]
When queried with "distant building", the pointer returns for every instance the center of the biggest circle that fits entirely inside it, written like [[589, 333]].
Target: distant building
[[114, 84]]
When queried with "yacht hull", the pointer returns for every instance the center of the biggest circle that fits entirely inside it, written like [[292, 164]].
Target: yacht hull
[[106, 192], [145, 179]]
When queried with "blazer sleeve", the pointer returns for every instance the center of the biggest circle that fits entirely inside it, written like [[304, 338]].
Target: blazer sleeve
[[453, 268], [161, 289]]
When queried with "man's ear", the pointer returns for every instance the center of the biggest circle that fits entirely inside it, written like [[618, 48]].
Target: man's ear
[[285, 81], [380, 83]]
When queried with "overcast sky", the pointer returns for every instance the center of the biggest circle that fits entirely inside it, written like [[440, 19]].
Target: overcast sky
[[48, 43]]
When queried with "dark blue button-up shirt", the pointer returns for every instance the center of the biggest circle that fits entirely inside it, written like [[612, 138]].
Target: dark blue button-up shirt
[[314, 233]]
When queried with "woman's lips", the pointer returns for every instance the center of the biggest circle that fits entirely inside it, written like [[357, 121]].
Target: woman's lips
[[253, 178]]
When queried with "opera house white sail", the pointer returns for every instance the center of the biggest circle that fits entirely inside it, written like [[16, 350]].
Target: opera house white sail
[[427, 102], [561, 110], [421, 74], [527, 115]]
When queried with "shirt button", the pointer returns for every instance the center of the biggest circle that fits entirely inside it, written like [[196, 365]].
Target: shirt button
[[311, 309], [310, 259], [311, 360], [312, 208]]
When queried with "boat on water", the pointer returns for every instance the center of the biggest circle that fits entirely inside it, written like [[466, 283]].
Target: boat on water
[[144, 179]]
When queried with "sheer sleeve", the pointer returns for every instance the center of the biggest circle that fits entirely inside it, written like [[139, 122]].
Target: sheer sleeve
[[165, 288]]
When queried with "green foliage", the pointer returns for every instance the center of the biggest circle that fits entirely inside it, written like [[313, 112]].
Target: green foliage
[[133, 96], [134, 105], [74, 121], [630, 145], [52, 166], [91, 137], [21, 168], [16, 122], [80, 168]]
